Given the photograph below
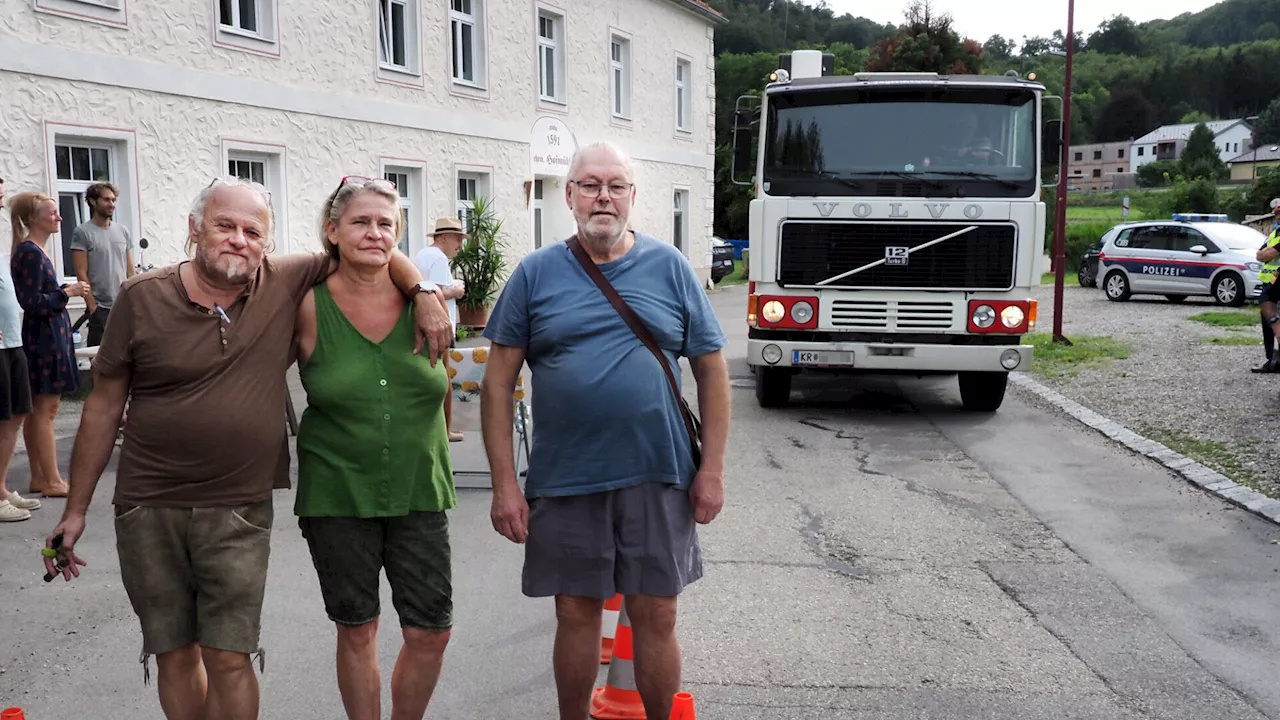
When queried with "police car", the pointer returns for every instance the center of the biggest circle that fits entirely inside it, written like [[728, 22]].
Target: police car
[[1186, 255]]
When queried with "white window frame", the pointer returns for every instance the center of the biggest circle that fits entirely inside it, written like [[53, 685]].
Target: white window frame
[[482, 177], [121, 146], [620, 74], [414, 199], [263, 41], [104, 12], [680, 212], [683, 78], [557, 45], [479, 53], [411, 72], [275, 159]]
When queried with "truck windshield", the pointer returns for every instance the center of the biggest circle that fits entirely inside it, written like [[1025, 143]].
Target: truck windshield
[[902, 141]]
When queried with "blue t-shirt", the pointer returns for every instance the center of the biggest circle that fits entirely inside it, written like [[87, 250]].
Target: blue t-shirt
[[604, 416]]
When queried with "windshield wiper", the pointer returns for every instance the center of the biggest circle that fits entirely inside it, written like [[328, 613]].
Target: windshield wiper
[[914, 177], [1012, 185], [816, 174]]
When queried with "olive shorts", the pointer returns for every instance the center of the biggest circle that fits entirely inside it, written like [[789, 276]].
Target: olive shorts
[[196, 574], [350, 553]]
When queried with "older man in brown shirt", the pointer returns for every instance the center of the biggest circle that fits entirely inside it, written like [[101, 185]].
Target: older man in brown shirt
[[200, 349]]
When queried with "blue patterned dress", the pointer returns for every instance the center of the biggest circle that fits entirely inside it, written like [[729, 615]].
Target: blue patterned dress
[[46, 326]]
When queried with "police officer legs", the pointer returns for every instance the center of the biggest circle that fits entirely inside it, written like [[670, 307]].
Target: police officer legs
[[1269, 256]]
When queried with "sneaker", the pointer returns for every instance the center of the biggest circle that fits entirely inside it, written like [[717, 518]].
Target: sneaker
[[22, 503], [1266, 367], [9, 513]]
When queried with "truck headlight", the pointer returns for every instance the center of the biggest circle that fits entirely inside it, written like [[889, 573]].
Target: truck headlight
[[1012, 316], [984, 316], [773, 311], [801, 312]]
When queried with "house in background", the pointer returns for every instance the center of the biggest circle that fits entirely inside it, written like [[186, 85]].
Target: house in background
[[1098, 166], [450, 100], [1167, 142], [1248, 166]]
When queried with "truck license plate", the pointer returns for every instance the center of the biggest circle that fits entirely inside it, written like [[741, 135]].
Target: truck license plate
[[821, 357]]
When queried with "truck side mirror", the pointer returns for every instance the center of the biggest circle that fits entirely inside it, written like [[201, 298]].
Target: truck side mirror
[[1051, 144], [743, 159]]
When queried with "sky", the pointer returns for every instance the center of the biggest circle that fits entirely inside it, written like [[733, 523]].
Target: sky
[[980, 19]]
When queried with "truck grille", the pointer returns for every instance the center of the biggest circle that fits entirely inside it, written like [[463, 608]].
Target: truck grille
[[892, 315], [982, 259]]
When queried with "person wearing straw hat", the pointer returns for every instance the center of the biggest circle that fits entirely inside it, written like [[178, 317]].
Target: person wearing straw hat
[[433, 262]]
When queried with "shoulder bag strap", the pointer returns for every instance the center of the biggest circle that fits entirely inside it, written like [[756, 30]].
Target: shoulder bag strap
[[691, 424]]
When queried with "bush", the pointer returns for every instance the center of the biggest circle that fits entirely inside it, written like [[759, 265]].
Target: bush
[[1158, 173], [746, 260], [1081, 237]]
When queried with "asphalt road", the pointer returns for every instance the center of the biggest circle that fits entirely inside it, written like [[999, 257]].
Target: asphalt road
[[882, 555]]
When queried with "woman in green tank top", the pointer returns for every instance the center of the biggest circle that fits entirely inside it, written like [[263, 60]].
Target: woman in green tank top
[[374, 472]]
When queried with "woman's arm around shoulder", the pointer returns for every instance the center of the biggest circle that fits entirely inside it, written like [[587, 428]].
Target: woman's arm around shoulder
[[304, 331]]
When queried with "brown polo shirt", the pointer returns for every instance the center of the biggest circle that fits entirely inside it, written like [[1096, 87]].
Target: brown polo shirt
[[206, 424]]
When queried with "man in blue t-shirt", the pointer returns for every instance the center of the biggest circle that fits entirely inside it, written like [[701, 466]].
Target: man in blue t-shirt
[[612, 495]]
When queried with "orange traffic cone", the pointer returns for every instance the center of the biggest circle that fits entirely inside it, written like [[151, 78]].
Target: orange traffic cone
[[619, 699], [13, 713], [609, 626], [682, 707]]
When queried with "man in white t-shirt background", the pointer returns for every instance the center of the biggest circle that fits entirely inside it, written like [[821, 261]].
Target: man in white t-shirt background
[[433, 263]]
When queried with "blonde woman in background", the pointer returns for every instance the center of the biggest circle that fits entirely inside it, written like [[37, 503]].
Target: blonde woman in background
[[46, 331]]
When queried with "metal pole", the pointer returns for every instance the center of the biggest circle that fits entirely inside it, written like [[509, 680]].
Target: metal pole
[[1060, 222]]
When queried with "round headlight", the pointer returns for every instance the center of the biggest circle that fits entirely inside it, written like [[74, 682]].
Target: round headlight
[[984, 316], [1012, 316], [771, 353], [773, 311], [1009, 359], [802, 312]]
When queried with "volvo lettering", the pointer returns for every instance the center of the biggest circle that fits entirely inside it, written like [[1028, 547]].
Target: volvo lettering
[[896, 227]]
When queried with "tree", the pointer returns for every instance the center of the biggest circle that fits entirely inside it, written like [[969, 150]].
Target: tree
[[1195, 116], [1126, 115], [1200, 158], [1034, 46], [1117, 36], [1060, 42], [1269, 123], [926, 43], [998, 47]]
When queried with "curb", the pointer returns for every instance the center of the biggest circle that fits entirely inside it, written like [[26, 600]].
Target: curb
[[1197, 474]]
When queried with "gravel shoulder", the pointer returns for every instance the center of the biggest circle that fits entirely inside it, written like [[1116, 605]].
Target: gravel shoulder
[[1176, 386]]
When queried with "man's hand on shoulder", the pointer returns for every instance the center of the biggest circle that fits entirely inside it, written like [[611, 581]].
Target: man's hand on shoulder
[[432, 325]]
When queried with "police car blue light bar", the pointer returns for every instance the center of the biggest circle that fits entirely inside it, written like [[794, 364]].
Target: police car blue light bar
[[1201, 217]]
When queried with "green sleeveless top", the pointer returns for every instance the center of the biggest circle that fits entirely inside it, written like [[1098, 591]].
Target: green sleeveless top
[[372, 441]]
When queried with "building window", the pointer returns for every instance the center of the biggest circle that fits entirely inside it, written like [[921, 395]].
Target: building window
[[1079, 157], [398, 35], [106, 12], [684, 77], [471, 185], [551, 57], [1120, 154], [620, 76], [1097, 172], [679, 218], [408, 182], [467, 33], [247, 25], [263, 164], [1119, 169], [537, 214], [79, 164], [1141, 151]]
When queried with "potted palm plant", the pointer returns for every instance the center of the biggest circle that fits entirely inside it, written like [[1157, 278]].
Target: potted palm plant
[[480, 264]]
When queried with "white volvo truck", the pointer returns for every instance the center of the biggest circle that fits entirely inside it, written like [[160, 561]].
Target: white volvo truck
[[896, 227]]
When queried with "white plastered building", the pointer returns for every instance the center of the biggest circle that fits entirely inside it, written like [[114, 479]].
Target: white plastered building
[[450, 98]]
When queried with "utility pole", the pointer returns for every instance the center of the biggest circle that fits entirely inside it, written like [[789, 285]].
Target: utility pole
[[1060, 221]]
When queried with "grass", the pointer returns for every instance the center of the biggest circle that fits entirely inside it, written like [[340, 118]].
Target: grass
[[1214, 454], [737, 277], [1083, 214], [1238, 318], [1058, 360], [1236, 340]]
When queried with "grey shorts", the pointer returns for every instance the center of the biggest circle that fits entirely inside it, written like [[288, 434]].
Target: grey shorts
[[196, 574], [640, 540]]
